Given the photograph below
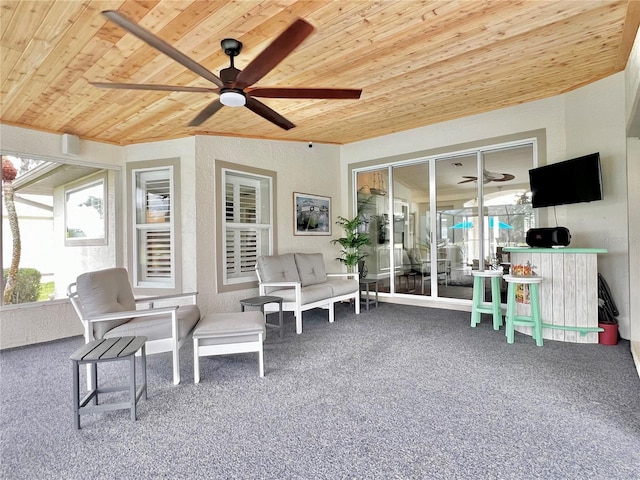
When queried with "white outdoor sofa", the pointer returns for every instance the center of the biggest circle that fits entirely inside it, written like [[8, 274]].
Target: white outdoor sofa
[[302, 282]]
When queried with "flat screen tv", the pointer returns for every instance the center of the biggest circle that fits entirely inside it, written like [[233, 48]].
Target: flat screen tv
[[572, 181]]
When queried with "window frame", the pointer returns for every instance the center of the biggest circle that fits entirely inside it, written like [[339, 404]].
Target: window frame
[[136, 227], [222, 169], [86, 185]]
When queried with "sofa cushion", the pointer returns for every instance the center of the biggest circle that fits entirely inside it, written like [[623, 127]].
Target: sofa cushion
[[105, 291], [277, 268], [310, 268], [315, 293], [343, 286], [310, 294]]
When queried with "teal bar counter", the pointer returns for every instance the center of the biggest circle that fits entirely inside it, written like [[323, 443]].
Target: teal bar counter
[[568, 293]]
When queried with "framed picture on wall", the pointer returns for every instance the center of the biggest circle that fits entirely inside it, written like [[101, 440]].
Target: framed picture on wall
[[312, 214]]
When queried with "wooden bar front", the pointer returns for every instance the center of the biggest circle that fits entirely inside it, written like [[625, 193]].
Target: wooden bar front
[[568, 293]]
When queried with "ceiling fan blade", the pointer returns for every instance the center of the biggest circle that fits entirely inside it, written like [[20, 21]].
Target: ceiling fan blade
[[469, 179], [161, 45], [271, 56], [295, 92], [268, 113], [505, 178], [208, 111], [149, 86]]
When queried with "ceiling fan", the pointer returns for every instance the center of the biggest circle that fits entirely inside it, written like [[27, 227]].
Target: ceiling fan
[[234, 86], [489, 177]]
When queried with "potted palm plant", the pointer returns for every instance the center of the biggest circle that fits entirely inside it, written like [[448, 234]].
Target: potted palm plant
[[352, 242]]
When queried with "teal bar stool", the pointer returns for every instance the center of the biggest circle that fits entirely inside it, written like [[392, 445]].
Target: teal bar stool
[[479, 306], [533, 320]]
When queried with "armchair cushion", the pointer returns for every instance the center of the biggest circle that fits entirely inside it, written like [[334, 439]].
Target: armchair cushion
[[159, 326], [310, 268], [105, 291]]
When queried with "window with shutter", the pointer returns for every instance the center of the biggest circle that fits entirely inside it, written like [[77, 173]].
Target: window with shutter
[[248, 223], [154, 252]]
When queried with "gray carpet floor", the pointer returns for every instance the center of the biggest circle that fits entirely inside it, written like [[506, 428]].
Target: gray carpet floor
[[397, 392]]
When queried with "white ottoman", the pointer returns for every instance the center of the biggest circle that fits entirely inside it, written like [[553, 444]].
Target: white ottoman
[[225, 333]]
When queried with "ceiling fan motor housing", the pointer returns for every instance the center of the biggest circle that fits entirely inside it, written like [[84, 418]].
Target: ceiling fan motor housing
[[228, 75], [231, 47]]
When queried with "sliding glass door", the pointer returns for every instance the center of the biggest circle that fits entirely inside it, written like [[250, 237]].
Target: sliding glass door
[[373, 207], [434, 220], [411, 228], [457, 241]]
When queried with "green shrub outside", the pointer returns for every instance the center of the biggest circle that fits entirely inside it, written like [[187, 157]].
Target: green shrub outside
[[27, 287], [47, 290]]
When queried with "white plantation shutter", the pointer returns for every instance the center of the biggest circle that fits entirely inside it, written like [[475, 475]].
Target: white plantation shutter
[[154, 255], [157, 245], [247, 225], [241, 251]]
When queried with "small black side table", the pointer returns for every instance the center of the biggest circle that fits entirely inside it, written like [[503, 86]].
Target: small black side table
[[108, 350], [366, 283], [261, 302]]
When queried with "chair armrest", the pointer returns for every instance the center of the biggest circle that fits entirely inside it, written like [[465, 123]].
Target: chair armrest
[[131, 313], [166, 297], [280, 284], [345, 275], [297, 286]]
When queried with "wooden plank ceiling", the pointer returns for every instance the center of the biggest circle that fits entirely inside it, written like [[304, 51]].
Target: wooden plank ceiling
[[417, 62]]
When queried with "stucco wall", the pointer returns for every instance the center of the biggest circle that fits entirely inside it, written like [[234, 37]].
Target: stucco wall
[[633, 175], [595, 121], [299, 169], [184, 149], [632, 88], [632, 109], [587, 120], [34, 144]]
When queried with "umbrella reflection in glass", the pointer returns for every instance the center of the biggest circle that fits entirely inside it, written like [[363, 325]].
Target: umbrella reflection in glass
[[462, 225], [469, 224], [500, 224]]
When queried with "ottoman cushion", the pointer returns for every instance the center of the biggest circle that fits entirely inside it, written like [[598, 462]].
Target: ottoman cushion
[[233, 323]]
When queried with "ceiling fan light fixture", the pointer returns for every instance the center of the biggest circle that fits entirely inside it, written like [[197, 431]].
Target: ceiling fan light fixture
[[233, 98]]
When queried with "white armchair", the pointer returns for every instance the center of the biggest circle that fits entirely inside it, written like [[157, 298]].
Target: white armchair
[[443, 270], [423, 266], [106, 306]]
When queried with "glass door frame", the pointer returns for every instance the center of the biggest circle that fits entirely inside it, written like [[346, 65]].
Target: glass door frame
[[432, 161]]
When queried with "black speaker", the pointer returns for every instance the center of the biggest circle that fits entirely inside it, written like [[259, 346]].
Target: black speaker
[[548, 237]]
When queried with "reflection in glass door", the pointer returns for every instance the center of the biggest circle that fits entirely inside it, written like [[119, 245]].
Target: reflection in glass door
[[373, 207], [411, 228], [458, 236], [506, 204], [470, 240], [432, 221]]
